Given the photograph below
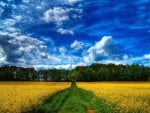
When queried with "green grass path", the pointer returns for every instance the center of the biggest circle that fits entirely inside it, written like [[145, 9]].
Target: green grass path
[[73, 100]]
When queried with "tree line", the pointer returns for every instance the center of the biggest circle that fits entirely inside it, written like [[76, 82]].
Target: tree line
[[112, 72], [94, 72], [14, 73]]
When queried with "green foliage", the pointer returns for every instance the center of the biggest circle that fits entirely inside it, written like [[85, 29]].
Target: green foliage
[[94, 72], [74, 75], [110, 72], [9, 73], [54, 74]]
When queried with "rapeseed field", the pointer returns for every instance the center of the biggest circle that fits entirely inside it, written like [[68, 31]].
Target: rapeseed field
[[128, 97], [16, 97]]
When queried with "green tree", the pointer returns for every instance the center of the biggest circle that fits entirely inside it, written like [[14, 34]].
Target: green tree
[[103, 74], [74, 75]]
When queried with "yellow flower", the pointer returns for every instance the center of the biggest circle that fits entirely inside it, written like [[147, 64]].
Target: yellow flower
[[16, 97], [131, 97]]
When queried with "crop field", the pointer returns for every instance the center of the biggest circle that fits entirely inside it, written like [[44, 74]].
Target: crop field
[[129, 97], [16, 97], [82, 97]]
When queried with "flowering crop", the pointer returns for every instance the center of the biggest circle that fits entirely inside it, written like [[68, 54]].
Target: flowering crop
[[129, 97], [16, 97]]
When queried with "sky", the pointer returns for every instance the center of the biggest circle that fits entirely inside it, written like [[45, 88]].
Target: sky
[[67, 33]]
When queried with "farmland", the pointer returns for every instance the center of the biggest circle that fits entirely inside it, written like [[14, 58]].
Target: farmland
[[129, 97], [16, 97], [84, 97]]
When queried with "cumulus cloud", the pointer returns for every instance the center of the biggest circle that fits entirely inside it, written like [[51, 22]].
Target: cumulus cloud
[[20, 49], [2, 3], [65, 31], [125, 57], [76, 45], [2, 55], [57, 15], [103, 49], [147, 56], [72, 2], [60, 16], [26, 1], [62, 61]]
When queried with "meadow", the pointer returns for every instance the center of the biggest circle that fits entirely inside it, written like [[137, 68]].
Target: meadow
[[82, 97]]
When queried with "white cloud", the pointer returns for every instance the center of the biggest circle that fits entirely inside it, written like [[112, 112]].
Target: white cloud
[[114, 62], [9, 0], [68, 66], [65, 31], [62, 50], [62, 61], [1, 11], [21, 49], [141, 60], [70, 62], [145, 60], [2, 3], [39, 7], [106, 51], [17, 17], [72, 2], [76, 45], [147, 56], [106, 40], [53, 59], [57, 15], [65, 66], [101, 50], [8, 24], [125, 57], [26, 1], [2, 55], [65, 62]]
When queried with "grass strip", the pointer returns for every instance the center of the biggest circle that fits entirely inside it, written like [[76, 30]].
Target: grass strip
[[73, 100]]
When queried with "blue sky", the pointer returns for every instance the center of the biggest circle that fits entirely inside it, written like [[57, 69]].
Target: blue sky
[[67, 33]]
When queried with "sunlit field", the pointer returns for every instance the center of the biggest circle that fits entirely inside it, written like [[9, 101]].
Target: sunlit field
[[129, 97], [16, 97], [126, 97]]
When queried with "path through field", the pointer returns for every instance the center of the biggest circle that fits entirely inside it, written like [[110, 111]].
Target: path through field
[[73, 100]]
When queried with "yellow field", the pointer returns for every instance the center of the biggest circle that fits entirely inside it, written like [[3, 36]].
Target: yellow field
[[130, 97], [20, 96]]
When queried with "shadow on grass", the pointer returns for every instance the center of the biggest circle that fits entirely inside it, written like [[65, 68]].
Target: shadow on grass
[[73, 100]]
